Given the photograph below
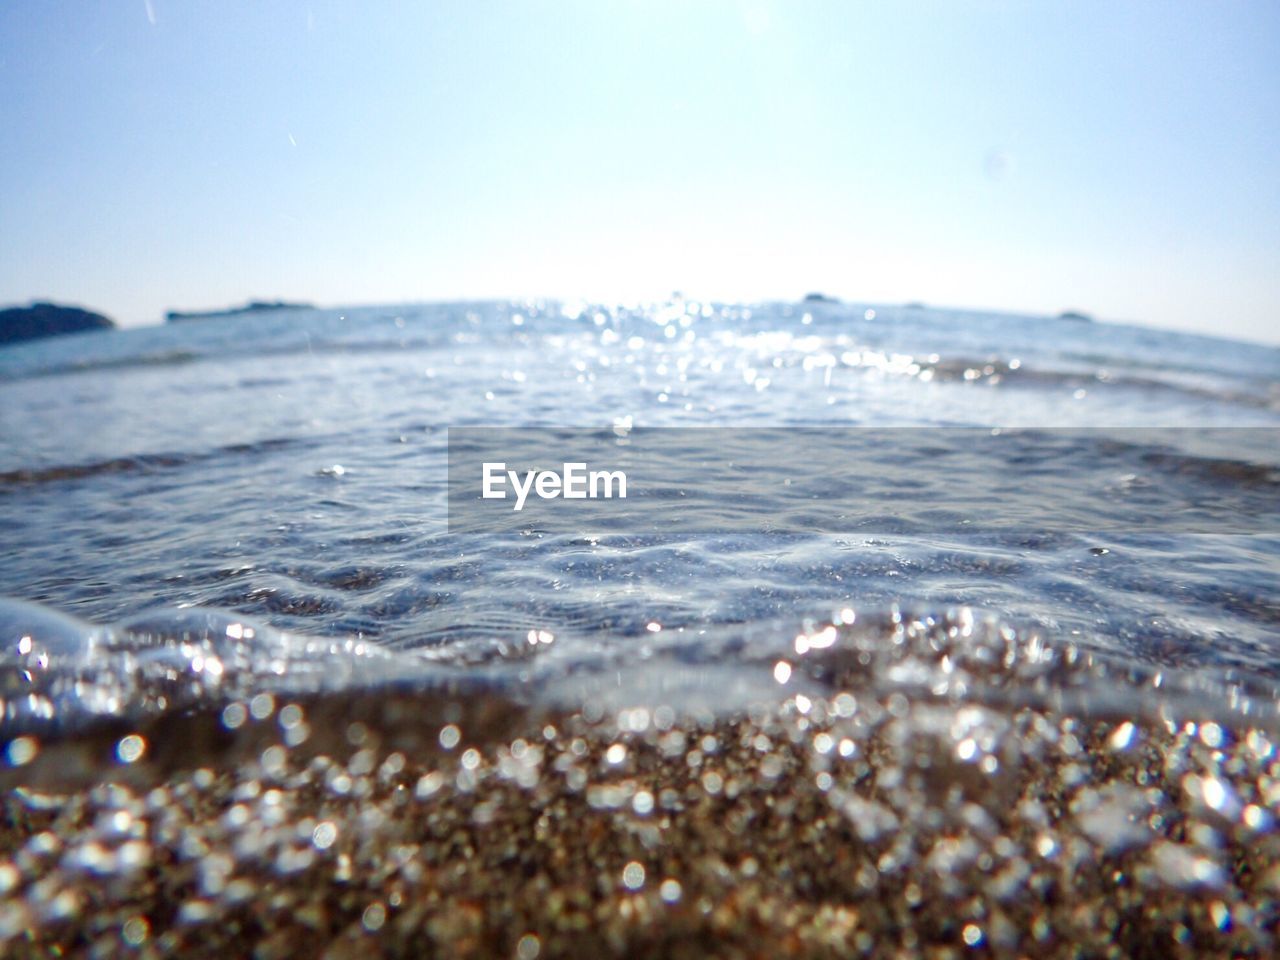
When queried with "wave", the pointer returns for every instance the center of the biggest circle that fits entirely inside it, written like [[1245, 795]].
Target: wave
[[222, 351], [994, 372], [163, 358], [142, 463], [75, 672], [1095, 371]]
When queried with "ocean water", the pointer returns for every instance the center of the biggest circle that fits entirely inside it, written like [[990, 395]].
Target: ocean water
[[291, 467], [199, 516]]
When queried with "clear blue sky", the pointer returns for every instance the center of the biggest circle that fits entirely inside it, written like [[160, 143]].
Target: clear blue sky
[[1122, 158]]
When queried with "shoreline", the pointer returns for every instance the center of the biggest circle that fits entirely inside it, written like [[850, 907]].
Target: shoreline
[[856, 821]]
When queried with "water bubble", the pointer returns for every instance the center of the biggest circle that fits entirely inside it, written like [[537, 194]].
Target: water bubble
[[633, 875], [375, 915], [274, 760], [1211, 735], [131, 748], [135, 931], [324, 835], [429, 784], [1220, 913], [21, 751], [1122, 737], [290, 716], [234, 715]]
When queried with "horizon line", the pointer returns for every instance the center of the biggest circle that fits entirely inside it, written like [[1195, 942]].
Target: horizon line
[[648, 301]]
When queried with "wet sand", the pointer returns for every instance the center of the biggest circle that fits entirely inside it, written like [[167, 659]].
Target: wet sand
[[860, 821]]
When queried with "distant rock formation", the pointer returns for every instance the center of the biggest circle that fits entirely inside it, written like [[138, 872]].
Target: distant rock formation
[[819, 298], [47, 320], [1075, 315], [253, 306]]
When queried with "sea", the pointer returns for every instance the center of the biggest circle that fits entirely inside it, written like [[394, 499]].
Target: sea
[[212, 523]]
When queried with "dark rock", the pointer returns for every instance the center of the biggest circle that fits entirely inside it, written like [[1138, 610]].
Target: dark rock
[[1075, 315], [47, 320], [253, 306], [819, 298]]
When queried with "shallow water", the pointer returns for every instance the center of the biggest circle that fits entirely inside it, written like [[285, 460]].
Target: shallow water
[[290, 471]]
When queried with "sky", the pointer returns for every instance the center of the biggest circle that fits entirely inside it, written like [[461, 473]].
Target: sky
[[1116, 158]]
